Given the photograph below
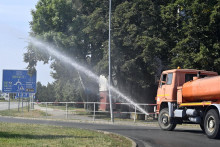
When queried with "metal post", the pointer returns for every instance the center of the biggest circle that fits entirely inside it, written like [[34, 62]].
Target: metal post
[[135, 113], [18, 102], [94, 112], [28, 105], [22, 105], [66, 111], [33, 101], [9, 103], [46, 109], [87, 107], [109, 61]]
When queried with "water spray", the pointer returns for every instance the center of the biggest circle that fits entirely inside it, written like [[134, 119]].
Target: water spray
[[53, 51]]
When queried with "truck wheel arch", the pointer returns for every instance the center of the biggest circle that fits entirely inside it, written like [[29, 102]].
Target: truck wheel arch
[[213, 106], [163, 105]]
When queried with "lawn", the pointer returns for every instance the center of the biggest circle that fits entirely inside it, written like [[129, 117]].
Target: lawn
[[22, 135], [24, 113]]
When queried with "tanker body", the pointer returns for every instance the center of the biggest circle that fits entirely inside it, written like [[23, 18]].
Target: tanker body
[[205, 89], [189, 96]]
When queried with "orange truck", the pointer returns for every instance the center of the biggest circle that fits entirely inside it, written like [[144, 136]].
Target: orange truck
[[189, 96]]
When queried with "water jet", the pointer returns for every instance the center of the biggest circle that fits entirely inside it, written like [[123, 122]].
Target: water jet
[[53, 51]]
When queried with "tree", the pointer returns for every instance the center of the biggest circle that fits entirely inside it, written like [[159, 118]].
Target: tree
[[61, 22], [45, 93], [80, 28], [137, 49], [193, 33], [147, 38]]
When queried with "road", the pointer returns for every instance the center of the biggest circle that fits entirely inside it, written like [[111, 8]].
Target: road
[[142, 135]]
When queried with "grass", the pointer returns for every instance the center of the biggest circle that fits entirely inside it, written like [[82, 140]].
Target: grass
[[57, 107], [20, 135], [78, 111], [25, 113]]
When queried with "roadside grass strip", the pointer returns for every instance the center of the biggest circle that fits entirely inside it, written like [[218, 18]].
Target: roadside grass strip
[[24, 113], [34, 135], [78, 111]]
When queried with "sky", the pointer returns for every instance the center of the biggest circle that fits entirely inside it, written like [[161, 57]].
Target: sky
[[14, 28]]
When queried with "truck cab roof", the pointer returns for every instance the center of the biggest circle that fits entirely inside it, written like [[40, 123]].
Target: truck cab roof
[[211, 73]]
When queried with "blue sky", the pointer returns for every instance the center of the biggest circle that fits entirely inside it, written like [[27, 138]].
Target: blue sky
[[14, 25]]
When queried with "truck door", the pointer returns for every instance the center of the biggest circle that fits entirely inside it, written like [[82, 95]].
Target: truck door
[[165, 89]]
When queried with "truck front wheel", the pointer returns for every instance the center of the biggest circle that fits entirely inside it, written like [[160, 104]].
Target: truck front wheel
[[211, 124], [164, 120]]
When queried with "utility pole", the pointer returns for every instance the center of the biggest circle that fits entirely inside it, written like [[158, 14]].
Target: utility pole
[[109, 61]]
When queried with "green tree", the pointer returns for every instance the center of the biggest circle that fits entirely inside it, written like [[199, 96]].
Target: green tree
[[193, 33], [80, 29], [45, 93], [137, 49], [61, 22], [147, 37]]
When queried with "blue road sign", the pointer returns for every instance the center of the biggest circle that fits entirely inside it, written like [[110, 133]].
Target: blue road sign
[[18, 81], [22, 95]]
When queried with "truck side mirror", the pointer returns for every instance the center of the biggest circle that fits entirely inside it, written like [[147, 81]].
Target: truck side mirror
[[164, 82]]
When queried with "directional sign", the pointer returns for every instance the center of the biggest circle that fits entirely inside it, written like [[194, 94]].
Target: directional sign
[[18, 81], [22, 95]]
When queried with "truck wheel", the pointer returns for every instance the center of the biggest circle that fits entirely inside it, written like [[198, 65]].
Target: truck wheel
[[211, 124], [164, 120]]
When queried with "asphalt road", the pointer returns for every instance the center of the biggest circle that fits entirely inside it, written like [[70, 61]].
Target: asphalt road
[[142, 135]]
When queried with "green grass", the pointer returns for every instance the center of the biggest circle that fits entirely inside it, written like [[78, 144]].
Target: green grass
[[25, 113], [78, 111], [22, 135], [3, 100], [56, 107]]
